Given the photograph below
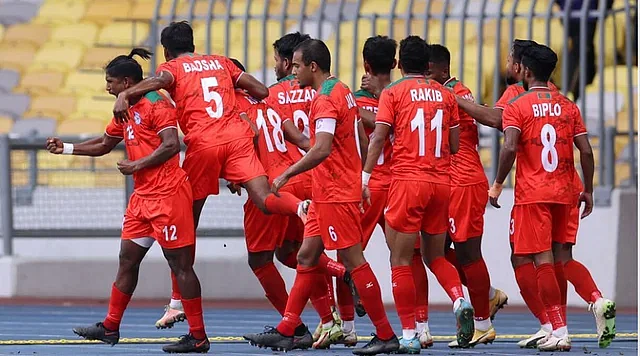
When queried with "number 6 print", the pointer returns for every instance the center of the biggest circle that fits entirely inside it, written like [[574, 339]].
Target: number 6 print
[[332, 233]]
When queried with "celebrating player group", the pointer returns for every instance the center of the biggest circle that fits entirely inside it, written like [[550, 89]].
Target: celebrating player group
[[323, 165]]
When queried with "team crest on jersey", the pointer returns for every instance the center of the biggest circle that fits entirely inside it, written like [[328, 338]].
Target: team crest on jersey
[[136, 118]]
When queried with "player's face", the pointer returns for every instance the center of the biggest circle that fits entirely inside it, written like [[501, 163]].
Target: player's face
[[512, 70], [115, 85], [527, 78], [280, 67], [437, 73], [302, 72]]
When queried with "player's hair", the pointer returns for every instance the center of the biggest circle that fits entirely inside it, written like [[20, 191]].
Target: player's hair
[[286, 44], [380, 53], [315, 51], [518, 48], [414, 55], [177, 38], [125, 66], [238, 64], [439, 54], [541, 60]]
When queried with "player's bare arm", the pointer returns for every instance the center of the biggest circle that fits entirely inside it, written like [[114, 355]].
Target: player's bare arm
[[454, 139], [169, 147], [505, 163], [368, 118], [121, 106], [293, 135], [491, 117], [318, 153], [95, 147], [373, 152], [587, 163], [363, 141], [252, 86]]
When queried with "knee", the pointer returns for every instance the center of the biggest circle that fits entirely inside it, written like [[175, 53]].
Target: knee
[[257, 260], [399, 260], [127, 262], [306, 258]]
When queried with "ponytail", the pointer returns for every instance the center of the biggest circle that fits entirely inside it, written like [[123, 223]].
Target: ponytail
[[126, 66]]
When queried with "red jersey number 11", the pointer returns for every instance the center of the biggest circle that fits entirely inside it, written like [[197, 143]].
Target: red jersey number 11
[[436, 124]]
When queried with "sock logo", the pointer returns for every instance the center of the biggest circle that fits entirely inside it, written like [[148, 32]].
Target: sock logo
[[369, 285], [198, 344]]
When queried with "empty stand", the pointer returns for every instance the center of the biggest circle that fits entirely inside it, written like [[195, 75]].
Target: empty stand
[[8, 80], [85, 83], [124, 34], [12, 12], [59, 107], [56, 57], [81, 127], [40, 82], [16, 58], [83, 33], [38, 127], [25, 33], [13, 104], [58, 12], [104, 12]]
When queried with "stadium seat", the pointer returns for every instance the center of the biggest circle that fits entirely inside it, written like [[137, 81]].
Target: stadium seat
[[257, 38], [97, 108], [103, 12], [622, 121], [85, 83], [37, 83], [96, 58], [615, 78], [42, 127], [56, 57], [217, 35], [69, 34], [623, 174], [55, 12], [66, 180], [48, 161], [81, 127], [27, 34], [17, 12], [126, 34], [8, 80], [145, 9], [17, 58], [13, 104], [2, 30], [58, 107], [6, 123]]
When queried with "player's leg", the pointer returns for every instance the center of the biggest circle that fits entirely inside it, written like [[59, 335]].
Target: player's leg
[[421, 282]]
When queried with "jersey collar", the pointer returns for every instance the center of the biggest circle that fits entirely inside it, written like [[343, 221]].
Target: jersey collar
[[539, 88], [449, 80], [287, 78]]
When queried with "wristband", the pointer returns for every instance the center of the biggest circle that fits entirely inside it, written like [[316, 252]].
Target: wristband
[[365, 178], [67, 148]]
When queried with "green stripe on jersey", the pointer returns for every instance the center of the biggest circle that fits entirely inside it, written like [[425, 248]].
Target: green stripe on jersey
[[153, 96], [363, 94], [398, 81], [452, 84], [328, 85], [519, 96]]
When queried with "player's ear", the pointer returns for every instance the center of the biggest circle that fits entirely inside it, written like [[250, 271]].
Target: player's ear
[[395, 63], [313, 66], [367, 67]]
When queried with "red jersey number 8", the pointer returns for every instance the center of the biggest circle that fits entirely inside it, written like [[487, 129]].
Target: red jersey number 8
[[208, 85]]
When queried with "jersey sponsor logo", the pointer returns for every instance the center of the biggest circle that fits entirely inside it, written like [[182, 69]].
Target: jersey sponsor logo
[[468, 97], [351, 101], [546, 109], [425, 94], [296, 96], [200, 65]]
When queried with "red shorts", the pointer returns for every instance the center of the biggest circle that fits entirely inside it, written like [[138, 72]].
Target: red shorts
[[373, 215], [571, 232], [235, 161], [266, 232], [169, 220], [415, 206], [534, 226], [466, 211], [337, 223]]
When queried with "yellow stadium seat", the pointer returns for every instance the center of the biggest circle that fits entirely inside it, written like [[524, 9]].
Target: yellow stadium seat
[[623, 173], [126, 34], [58, 107], [2, 30], [217, 35], [38, 83], [103, 12], [85, 84], [620, 143], [239, 7], [616, 75], [144, 9], [81, 127], [16, 58], [110, 179], [60, 12], [96, 58], [70, 179], [56, 57], [201, 8], [19, 160], [109, 161], [70, 33], [622, 121], [27, 33], [6, 123], [97, 108], [47, 160], [257, 38]]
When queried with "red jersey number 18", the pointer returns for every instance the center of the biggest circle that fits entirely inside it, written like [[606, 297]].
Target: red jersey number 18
[[436, 124], [278, 135], [208, 85]]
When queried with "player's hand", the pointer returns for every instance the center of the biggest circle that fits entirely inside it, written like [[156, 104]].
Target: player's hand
[[234, 188], [121, 108], [587, 198], [127, 167], [494, 194], [279, 183], [371, 84], [54, 145], [366, 197]]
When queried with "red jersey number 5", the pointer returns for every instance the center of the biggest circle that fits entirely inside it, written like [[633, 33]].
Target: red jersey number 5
[[208, 85]]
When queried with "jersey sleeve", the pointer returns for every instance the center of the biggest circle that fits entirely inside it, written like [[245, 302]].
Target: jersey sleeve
[[454, 120], [385, 108], [324, 109], [172, 68], [511, 117], [234, 71], [164, 116], [508, 94], [114, 129], [578, 123]]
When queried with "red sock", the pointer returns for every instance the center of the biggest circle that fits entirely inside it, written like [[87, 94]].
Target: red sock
[[345, 301], [330, 291], [447, 277], [479, 283], [422, 287], [526, 279], [274, 288], [404, 295], [562, 284], [582, 281], [450, 255], [193, 312], [320, 301], [291, 260], [550, 292], [371, 297], [117, 304], [286, 204], [306, 279], [175, 290], [332, 267]]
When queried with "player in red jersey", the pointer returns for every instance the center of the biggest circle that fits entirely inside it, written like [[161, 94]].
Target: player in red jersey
[[540, 127], [334, 216], [219, 143], [419, 193], [566, 267], [468, 200], [159, 208]]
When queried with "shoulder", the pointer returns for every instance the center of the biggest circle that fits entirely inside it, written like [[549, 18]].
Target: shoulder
[[363, 94], [328, 87], [518, 99]]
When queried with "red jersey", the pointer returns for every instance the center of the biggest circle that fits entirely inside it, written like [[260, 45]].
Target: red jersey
[[381, 174], [548, 123], [466, 166], [150, 115], [203, 90], [272, 149], [420, 111], [338, 178]]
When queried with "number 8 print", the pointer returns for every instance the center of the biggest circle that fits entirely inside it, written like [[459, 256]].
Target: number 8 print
[[548, 139]]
